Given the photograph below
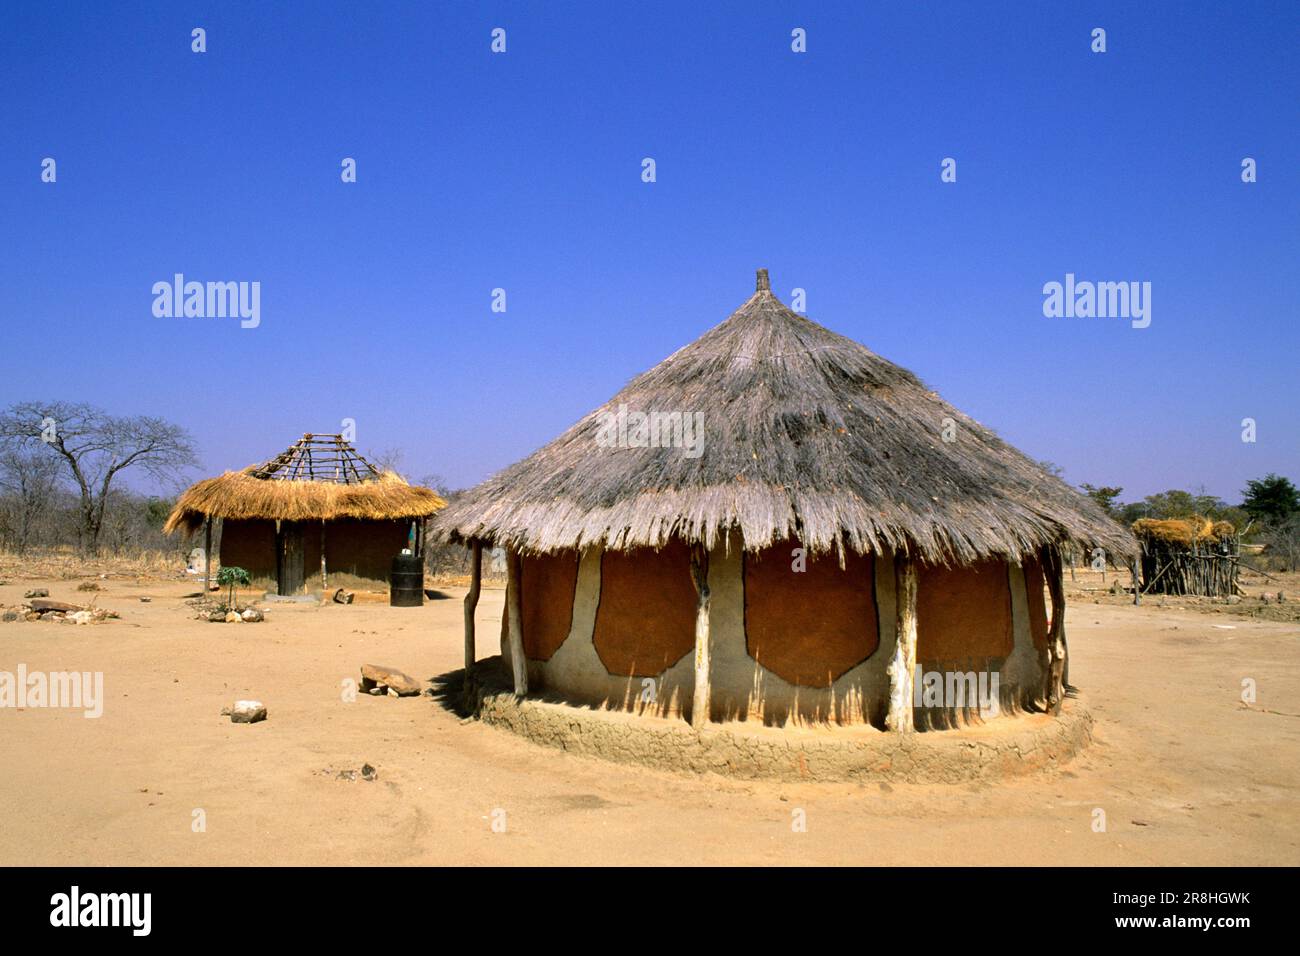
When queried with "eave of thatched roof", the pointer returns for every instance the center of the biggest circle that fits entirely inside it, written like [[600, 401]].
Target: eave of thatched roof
[[238, 494], [807, 435]]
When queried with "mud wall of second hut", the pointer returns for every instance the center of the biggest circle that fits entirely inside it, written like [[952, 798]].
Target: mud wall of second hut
[[357, 553], [804, 646]]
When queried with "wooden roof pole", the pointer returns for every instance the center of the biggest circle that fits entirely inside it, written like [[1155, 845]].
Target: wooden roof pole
[[1054, 671], [471, 602], [700, 702], [902, 669], [515, 630]]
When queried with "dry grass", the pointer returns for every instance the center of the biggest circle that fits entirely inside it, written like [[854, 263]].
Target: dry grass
[[240, 495], [65, 564]]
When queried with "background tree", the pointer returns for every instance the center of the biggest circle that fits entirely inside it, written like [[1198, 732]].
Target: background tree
[[1104, 496], [1271, 499], [94, 447], [28, 481]]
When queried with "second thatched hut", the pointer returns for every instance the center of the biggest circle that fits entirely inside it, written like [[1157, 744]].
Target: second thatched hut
[[318, 512]]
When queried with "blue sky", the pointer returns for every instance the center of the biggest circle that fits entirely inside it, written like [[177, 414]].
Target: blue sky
[[523, 171]]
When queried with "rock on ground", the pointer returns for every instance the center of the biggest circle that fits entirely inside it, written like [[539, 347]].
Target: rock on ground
[[246, 711], [376, 676]]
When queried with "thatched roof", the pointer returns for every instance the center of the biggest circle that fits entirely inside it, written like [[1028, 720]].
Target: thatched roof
[[319, 478], [1184, 531], [806, 434]]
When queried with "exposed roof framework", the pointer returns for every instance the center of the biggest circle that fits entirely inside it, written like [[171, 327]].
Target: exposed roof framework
[[318, 458]]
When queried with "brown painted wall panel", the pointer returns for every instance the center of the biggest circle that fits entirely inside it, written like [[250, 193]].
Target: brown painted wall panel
[[249, 545], [547, 586], [963, 611], [645, 621], [811, 626], [363, 550], [1034, 584]]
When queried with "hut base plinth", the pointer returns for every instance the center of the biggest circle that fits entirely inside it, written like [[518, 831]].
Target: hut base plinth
[[1016, 745]]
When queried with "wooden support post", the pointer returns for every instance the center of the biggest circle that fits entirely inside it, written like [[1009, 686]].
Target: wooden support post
[[324, 582], [515, 628], [207, 556], [1057, 653], [902, 669], [700, 702], [1137, 588], [471, 601]]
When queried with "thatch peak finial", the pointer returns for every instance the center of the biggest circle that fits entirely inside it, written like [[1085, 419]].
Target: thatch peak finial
[[763, 284]]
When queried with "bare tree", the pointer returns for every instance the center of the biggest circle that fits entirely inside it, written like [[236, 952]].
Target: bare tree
[[94, 447], [28, 480]]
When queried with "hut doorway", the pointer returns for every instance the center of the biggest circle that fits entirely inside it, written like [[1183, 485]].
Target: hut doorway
[[290, 569]]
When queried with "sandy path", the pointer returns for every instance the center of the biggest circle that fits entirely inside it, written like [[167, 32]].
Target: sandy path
[[1212, 782]]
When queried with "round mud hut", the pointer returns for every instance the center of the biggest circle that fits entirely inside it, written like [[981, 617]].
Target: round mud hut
[[776, 524], [319, 512]]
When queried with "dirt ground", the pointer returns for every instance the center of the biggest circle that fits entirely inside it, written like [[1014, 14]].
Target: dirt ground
[[1184, 773]]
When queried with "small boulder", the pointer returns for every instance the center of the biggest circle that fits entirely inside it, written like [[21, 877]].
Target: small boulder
[[252, 615], [32, 616], [375, 676], [63, 606], [217, 617], [232, 617], [81, 617], [11, 614], [37, 593], [246, 711], [368, 773], [52, 617]]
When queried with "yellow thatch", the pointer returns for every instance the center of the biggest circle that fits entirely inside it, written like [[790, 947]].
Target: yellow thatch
[[1183, 531], [238, 494]]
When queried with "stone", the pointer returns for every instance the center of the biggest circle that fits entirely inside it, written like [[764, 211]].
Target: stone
[[43, 606], [145, 600], [368, 773], [32, 616], [232, 617], [81, 617], [217, 617], [343, 597], [12, 614], [246, 712], [376, 676], [252, 615], [37, 593], [52, 616]]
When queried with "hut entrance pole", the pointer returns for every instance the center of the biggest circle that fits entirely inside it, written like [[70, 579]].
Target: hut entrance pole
[[207, 556], [902, 669], [471, 601], [515, 629], [324, 583], [1054, 673], [700, 575]]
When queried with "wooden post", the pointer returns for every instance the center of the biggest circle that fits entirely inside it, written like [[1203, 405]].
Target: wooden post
[[1137, 589], [515, 628], [902, 669], [700, 576], [1054, 672], [471, 601], [324, 583], [207, 556]]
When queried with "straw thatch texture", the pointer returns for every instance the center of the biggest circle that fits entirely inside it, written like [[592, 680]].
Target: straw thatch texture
[[238, 494], [1184, 531], [807, 434]]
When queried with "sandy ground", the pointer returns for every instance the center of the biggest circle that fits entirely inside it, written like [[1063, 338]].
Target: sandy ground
[[1184, 773]]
